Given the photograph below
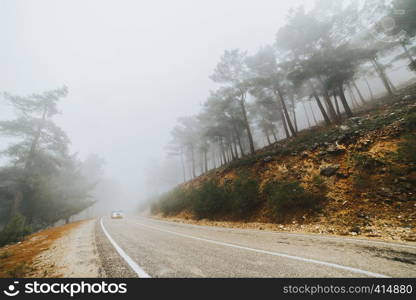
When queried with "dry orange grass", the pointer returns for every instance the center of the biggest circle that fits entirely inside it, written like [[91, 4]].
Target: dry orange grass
[[17, 260]]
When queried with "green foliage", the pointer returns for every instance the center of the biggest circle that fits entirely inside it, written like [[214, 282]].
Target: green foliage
[[365, 162], [319, 183], [246, 161], [288, 196], [243, 195], [209, 200], [407, 149], [239, 198], [410, 122], [172, 202], [14, 231], [361, 182], [20, 270], [5, 254], [41, 170]]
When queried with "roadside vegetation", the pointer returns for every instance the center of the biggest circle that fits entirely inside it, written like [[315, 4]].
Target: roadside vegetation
[[238, 198], [41, 181], [15, 230]]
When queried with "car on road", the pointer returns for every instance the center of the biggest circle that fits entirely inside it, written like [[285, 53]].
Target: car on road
[[117, 215]]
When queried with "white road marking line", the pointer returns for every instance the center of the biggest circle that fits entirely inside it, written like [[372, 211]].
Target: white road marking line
[[352, 240], [136, 268], [354, 270], [315, 236]]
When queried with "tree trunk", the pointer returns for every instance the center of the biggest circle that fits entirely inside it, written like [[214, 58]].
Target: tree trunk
[[344, 102], [267, 137], [193, 161], [352, 96], [240, 145], [206, 160], [282, 116], [286, 114], [233, 156], [274, 136], [237, 135], [369, 88], [337, 104], [235, 147], [393, 87], [295, 122], [328, 102], [223, 152], [381, 73], [18, 197], [17, 200], [183, 166], [247, 125], [201, 164], [313, 113], [409, 56], [321, 108], [306, 115], [331, 108], [359, 92]]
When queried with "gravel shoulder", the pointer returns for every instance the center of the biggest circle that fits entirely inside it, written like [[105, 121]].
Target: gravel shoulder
[[73, 255], [113, 265]]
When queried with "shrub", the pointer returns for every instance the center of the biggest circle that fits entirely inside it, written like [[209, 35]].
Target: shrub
[[209, 199], [15, 230], [5, 254], [406, 151], [365, 162], [410, 122], [20, 270], [173, 202], [289, 196], [412, 66], [319, 183], [243, 195], [362, 182]]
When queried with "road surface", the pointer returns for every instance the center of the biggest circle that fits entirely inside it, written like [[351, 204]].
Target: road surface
[[143, 247]]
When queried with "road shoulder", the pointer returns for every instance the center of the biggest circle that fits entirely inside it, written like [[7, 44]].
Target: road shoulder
[[113, 265], [64, 251]]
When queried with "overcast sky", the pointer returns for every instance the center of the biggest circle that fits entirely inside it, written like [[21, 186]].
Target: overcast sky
[[132, 67]]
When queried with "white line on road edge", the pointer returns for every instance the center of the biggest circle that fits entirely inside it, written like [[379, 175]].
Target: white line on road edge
[[354, 270], [136, 268]]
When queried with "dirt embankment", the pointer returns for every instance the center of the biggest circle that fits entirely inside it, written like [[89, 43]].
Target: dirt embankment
[[64, 251]]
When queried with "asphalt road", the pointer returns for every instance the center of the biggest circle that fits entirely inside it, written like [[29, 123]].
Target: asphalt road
[[142, 247]]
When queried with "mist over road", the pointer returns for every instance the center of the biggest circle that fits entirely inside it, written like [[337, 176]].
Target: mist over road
[[166, 249]]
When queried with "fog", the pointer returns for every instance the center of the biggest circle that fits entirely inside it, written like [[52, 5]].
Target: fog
[[132, 68]]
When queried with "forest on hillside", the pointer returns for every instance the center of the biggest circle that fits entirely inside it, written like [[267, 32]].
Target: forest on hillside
[[318, 66]]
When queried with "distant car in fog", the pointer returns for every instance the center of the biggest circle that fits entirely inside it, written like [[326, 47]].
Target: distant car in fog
[[117, 215]]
